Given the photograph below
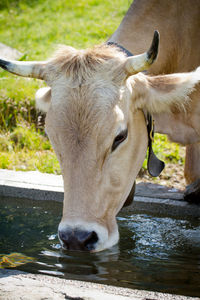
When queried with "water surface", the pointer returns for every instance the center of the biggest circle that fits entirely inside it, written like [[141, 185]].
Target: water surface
[[154, 253]]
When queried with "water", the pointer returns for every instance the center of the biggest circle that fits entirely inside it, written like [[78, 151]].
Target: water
[[155, 253]]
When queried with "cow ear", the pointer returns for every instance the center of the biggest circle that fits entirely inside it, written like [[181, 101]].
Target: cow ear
[[159, 94], [43, 99]]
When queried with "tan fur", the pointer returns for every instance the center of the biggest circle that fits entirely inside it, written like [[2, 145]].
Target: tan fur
[[80, 65], [166, 93], [178, 23], [191, 159], [92, 101]]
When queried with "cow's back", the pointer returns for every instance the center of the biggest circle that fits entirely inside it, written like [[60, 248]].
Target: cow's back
[[178, 22]]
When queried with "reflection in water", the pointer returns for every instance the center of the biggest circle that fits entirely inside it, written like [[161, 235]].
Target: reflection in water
[[155, 253]]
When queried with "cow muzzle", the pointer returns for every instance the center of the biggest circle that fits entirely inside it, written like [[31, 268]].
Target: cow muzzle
[[78, 240], [83, 236]]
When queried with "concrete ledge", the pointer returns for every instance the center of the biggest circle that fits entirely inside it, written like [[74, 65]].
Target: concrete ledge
[[149, 198], [16, 285], [166, 207], [32, 185]]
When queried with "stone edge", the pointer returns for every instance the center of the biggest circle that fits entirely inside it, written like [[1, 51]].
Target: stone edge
[[39, 186]]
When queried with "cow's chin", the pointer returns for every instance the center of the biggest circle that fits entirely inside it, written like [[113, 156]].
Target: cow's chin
[[111, 240], [106, 239]]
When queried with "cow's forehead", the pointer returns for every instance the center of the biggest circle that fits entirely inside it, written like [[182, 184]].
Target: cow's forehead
[[86, 88], [74, 68], [89, 105], [98, 92]]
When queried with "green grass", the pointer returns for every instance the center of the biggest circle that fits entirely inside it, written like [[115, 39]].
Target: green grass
[[167, 151], [26, 148], [36, 27]]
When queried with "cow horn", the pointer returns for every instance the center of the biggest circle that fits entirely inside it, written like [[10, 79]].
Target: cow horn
[[24, 68], [138, 63]]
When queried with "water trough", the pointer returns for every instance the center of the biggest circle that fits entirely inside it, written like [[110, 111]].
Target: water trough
[[154, 206]]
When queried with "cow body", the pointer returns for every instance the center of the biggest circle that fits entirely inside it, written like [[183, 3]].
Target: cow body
[[178, 23], [95, 118]]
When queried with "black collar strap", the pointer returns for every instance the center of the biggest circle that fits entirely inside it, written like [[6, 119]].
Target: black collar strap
[[154, 165], [128, 53]]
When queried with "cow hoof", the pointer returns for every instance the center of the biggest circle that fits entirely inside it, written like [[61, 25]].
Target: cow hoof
[[192, 192], [130, 197]]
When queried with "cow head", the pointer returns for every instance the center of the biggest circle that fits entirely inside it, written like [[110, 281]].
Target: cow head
[[96, 124]]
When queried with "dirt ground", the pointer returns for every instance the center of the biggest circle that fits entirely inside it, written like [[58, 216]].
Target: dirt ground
[[172, 176]]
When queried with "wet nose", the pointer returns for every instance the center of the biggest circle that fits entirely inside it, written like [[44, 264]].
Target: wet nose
[[79, 240]]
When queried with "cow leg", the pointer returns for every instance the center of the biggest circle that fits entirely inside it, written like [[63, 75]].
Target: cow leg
[[192, 173], [130, 197]]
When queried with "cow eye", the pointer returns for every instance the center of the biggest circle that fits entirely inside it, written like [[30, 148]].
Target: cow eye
[[119, 139]]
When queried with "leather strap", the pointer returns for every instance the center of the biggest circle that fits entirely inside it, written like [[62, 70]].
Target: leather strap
[[128, 53], [154, 164]]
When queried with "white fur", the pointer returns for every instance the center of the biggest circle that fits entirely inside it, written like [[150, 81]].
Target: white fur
[[179, 96], [43, 99], [156, 99]]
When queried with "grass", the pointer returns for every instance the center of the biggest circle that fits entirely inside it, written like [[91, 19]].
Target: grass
[[26, 148], [35, 27]]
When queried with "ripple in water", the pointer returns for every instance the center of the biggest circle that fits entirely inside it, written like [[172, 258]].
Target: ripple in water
[[154, 253]]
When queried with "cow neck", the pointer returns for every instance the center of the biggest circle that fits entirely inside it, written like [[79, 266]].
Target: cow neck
[[154, 165]]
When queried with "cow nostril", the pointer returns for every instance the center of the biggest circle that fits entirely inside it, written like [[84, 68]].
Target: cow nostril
[[79, 240], [91, 240]]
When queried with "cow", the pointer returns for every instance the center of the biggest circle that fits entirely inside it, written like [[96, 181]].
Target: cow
[[178, 23], [96, 105]]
